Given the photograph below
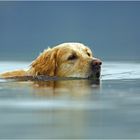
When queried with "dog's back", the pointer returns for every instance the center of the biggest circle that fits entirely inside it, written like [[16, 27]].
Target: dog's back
[[13, 74]]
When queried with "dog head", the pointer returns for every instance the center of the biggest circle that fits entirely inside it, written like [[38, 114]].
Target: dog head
[[67, 60]]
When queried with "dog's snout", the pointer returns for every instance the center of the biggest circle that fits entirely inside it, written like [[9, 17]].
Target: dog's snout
[[96, 62], [96, 67]]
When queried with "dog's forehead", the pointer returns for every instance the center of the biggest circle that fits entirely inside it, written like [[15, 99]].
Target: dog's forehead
[[79, 47], [74, 46]]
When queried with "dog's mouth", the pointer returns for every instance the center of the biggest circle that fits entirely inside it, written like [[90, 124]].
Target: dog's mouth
[[96, 73]]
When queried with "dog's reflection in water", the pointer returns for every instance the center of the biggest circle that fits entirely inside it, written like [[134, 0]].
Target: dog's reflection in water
[[65, 87]]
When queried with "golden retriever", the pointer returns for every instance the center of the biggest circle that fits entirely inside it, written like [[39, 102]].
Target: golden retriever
[[64, 60]]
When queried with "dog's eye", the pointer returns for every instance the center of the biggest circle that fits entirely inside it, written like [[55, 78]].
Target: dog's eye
[[88, 54], [72, 57]]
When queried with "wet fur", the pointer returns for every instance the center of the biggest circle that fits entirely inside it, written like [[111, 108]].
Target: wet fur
[[53, 62]]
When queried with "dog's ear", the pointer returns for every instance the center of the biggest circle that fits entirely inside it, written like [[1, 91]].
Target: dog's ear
[[45, 64]]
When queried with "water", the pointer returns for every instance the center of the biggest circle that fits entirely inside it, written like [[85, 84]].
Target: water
[[72, 108]]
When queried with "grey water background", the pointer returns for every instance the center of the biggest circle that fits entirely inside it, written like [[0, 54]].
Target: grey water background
[[71, 108], [111, 29]]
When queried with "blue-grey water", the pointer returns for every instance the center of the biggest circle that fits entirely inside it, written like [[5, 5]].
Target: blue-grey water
[[72, 108]]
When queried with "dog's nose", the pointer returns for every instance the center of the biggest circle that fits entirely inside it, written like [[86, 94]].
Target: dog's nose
[[96, 62]]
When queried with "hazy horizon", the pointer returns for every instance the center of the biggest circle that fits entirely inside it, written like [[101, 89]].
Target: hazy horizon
[[111, 29]]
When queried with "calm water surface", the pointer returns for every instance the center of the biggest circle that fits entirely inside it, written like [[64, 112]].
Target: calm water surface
[[72, 108]]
